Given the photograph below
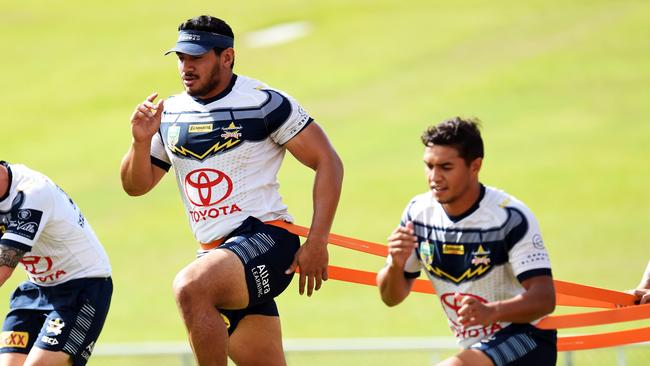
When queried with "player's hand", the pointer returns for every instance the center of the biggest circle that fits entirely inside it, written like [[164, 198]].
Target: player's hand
[[401, 243], [312, 259], [473, 312], [641, 295], [145, 120]]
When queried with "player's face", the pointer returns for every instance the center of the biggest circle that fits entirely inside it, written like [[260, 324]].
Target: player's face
[[450, 179], [200, 74]]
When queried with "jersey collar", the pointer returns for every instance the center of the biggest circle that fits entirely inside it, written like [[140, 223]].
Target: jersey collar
[[470, 210], [225, 92]]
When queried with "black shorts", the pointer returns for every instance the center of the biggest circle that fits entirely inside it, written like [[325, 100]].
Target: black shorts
[[266, 251], [66, 317], [520, 345]]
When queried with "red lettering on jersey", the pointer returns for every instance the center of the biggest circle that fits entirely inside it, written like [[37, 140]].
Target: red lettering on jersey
[[213, 213], [36, 264], [50, 277]]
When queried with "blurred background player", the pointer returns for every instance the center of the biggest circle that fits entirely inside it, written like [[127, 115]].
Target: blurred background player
[[481, 249], [56, 316], [226, 136]]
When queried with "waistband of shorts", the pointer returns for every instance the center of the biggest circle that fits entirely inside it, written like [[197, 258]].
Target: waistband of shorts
[[215, 243]]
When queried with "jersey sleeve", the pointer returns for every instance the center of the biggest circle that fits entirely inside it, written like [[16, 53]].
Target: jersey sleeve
[[27, 221], [285, 118], [159, 156], [527, 254]]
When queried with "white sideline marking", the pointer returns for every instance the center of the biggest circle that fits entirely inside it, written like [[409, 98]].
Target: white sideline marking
[[277, 34]]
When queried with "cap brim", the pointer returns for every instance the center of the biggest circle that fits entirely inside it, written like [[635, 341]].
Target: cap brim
[[191, 49]]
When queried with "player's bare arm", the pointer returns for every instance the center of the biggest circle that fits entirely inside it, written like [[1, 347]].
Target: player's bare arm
[[393, 286], [537, 301], [138, 175], [313, 149], [9, 258]]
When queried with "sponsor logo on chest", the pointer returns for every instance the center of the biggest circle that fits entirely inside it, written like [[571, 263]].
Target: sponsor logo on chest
[[207, 190]]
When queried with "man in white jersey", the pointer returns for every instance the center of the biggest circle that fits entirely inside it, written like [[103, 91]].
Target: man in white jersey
[[481, 249], [226, 136], [56, 316]]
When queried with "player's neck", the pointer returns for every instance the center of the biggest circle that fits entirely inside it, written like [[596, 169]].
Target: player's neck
[[221, 87], [460, 206]]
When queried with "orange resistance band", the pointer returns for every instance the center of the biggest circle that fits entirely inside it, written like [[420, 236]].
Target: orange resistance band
[[568, 294]]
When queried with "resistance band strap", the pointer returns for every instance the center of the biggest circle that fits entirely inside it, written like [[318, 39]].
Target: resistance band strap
[[602, 340], [568, 294]]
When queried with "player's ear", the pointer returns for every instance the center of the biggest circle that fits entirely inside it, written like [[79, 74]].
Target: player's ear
[[228, 57], [475, 165]]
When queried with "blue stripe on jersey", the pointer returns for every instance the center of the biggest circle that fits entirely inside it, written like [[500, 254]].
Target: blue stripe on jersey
[[466, 254], [160, 164], [534, 273], [15, 244], [511, 231], [202, 135]]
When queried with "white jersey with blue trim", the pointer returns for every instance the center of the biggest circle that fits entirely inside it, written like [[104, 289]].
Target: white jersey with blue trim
[[226, 153], [41, 219], [486, 253]]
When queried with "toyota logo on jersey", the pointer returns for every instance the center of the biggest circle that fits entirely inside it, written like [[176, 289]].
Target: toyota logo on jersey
[[451, 301], [207, 187], [36, 265]]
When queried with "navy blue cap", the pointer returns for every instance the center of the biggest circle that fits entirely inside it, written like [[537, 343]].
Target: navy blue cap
[[196, 43]]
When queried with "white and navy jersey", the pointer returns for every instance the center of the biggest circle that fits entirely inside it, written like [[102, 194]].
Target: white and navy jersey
[[226, 153], [41, 219], [485, 253]]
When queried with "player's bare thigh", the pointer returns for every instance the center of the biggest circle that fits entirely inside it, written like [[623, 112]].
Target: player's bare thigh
[[468, 357], [246, 347], [36, 357], [218, 277]]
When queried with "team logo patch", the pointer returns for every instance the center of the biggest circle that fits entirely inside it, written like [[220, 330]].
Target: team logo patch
[[481, 256], [455, 249], [538, 243], [55, 326], [207, 187], [231, 132], [426, 255], [14, 339], [173, 134], [25, 223], [203, 127]]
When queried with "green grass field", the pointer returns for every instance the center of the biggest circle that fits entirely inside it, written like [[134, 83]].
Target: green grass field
[[562, 89]]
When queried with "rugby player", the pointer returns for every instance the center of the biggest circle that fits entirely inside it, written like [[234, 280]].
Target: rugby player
[[226, 136], [482, 250], [56, 316]]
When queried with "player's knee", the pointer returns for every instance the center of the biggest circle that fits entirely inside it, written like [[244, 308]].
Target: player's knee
[[186, 288]]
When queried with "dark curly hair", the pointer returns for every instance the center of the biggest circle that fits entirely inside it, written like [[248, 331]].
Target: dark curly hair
[[461, 134]]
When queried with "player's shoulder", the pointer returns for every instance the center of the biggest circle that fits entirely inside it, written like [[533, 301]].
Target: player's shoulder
[[420, 202], [500, 202], [35, 186], [262, 93]]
